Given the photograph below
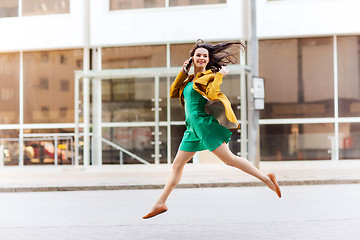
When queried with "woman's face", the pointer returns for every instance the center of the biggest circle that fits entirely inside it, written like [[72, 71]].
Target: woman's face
[[201, 57]]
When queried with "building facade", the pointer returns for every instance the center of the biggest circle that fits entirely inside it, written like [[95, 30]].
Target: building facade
[[308, 58]]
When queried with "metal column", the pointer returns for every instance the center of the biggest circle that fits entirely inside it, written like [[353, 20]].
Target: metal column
[[86, 109], [157, 128], [253, 115], [76, 118], [97, 111]]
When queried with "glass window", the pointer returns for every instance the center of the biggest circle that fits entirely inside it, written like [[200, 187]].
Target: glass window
[[163, 144], [174, 3], [231, 88], [177, 111], [133, 4], [296, 142], [10, 145], [9, 8], [42, 149], [349, 140], [179, 53], [44, 7], [349, 76], [9, 90], [128, 100], [299, 77], [163, 95], [137, 140], [134, 57], [44, 79]]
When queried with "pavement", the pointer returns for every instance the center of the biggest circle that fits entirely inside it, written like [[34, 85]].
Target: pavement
[[118, 177]]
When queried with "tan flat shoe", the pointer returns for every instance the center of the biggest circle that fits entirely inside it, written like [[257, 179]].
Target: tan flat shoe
[[158, 211], [273, 179]]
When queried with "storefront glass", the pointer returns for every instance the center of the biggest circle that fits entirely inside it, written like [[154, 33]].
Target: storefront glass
[[349, 140], [179, 53], [349, 75], [45, 7], [134, 57], [9, 8], [49, 85], [135, 4], [174, 3], [128, 100], [9, 145], [9, 88], [137, 140], [299, 77], [48, 147], [296, 142], [163, 95]]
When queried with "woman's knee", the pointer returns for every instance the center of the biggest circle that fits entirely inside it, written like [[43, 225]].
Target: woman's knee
[[177, 165], [179, 162], [229, 160], [225, 155]]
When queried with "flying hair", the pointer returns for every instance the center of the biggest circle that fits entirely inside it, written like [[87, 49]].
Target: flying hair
[[220, 54]]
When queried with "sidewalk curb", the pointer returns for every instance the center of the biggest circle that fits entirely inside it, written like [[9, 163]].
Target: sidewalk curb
[[183, 185]]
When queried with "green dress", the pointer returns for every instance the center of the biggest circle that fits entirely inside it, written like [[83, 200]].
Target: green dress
[[203, 131]]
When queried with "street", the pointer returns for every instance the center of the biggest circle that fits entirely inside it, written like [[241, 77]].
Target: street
[[304, 212]]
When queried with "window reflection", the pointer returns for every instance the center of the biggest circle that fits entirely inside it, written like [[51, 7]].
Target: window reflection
[[174, 3], [179, 53], [163, 144], [349, 76], [137, 140], [9, 90], [48, 86], [10, 146], [299, 79], [44, 7], [163, 95], [132, 4], [134, 57], [128, 100], [9, 8], [296, 142], [135, 4], [231, 88], [349, 140], [43, 149]]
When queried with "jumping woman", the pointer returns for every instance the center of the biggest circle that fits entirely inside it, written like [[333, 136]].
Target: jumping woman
[[207, 129]]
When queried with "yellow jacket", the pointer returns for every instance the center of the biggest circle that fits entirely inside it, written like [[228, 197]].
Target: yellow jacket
[[208, 85]]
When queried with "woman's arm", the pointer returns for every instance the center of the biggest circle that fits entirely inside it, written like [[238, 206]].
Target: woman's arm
[[175, 86], [214, 88]]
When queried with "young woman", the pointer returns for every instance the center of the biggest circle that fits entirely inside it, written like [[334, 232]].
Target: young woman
[[204, 130]]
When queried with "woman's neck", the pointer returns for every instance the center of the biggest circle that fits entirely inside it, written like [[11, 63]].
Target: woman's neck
[[198, 70]]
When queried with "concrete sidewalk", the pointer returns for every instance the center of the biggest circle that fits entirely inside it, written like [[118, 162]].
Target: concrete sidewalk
[[115, 177]]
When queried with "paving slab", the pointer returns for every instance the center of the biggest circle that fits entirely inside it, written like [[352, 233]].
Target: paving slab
[[138, 176]]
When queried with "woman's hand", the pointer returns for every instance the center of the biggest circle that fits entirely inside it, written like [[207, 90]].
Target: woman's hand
[[184, 69], [224, 70]]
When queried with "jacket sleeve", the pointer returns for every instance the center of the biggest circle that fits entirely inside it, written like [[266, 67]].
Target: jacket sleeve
[[175, 86], [213, 88]]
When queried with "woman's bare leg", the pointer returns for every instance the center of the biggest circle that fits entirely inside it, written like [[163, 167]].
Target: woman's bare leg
[[223, 152], [180, 160]]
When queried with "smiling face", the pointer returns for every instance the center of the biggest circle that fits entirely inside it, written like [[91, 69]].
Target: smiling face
[[201, 58]]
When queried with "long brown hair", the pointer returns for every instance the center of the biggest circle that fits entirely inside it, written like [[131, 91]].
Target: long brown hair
[[220, 54]]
